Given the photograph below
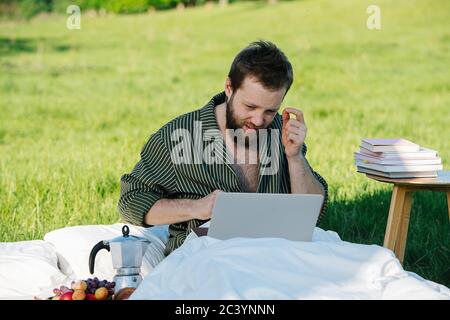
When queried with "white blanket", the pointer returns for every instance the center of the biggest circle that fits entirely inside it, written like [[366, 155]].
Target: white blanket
[[269, 268], [206, 268], [28, 268], [31, 269]]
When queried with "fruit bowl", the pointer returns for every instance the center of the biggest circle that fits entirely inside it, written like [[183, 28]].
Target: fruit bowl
[[90, 289]]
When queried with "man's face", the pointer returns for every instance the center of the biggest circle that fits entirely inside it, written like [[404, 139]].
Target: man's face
[[252, 107]]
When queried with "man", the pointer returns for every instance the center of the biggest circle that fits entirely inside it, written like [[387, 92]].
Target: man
[[174, 185]]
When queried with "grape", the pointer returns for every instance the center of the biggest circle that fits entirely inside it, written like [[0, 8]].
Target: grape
[[113, 284], [56, 291]]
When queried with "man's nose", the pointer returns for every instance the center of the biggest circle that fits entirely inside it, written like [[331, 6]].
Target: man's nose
[[257, 120]]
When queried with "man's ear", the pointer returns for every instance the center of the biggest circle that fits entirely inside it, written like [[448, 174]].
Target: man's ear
[[228, 88]]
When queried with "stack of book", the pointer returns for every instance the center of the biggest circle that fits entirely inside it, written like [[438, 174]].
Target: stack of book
[[396, 158]]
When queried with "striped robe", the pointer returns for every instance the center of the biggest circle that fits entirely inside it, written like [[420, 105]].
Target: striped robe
[[157, 176]]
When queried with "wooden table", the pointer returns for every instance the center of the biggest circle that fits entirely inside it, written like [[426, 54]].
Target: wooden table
[[401, 202]]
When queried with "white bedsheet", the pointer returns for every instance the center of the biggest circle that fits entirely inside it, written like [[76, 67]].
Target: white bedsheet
[[206, 268], [28, 269], [326, 268], [31, 269]]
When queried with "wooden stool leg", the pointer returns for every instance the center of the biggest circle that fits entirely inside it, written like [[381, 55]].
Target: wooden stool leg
[[400, 243], [448, 203], [395, 213]]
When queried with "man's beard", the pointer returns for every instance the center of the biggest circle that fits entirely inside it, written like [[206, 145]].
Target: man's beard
[[233, 124]]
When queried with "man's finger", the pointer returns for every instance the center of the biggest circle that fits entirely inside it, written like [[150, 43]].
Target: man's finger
[[285, 117], [294, 123], [298, 114], [294, 130], [293, 137]]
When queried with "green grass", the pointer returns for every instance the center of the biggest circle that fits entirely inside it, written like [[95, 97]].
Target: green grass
[[77, 106]]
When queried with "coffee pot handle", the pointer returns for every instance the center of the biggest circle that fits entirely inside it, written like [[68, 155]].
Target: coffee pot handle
[[99, 246]]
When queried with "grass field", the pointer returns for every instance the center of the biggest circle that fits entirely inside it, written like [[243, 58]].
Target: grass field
[[76, 106]]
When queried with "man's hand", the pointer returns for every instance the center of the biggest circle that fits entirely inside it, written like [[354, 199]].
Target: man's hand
[[202, 209], [168, 211], [293, 132]]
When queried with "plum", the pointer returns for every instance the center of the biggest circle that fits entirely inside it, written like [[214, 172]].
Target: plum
[[66, 296], [90, 296]]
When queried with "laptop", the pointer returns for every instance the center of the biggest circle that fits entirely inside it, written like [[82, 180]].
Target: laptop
[[260, 215]]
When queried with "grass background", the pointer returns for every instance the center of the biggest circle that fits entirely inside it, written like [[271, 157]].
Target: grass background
[[76, 106]]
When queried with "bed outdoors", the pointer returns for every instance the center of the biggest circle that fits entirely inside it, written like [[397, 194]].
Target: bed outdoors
[[207, 268]]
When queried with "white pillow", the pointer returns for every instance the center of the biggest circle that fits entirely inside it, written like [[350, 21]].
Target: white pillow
[[28, 269], [74, 244]]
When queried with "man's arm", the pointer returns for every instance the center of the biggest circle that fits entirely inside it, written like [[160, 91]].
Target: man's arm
[[151, 179], [144, 192], [167, 211], [304, 179]]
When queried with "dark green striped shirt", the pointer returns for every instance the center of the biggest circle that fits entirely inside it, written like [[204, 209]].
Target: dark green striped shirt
[[156, 176]]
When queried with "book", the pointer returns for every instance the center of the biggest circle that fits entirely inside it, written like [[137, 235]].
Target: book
[[396, 144], [422, 153], [395, 161], [399, 168], [200, 232], [423, 174]]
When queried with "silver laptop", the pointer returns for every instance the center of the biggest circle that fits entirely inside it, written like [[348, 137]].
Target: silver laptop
[[257, 215]]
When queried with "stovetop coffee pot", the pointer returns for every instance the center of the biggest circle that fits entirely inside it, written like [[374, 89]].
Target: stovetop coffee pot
[[127, 253]]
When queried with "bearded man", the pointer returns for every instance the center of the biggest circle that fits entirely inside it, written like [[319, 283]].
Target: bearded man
[[264, 151]]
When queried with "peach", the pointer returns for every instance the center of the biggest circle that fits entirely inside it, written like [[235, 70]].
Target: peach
[[80, 285], [101, 293], [78, 295], [123, 294]]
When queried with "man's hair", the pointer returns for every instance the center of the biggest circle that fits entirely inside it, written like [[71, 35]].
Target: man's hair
[[264, 61]]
